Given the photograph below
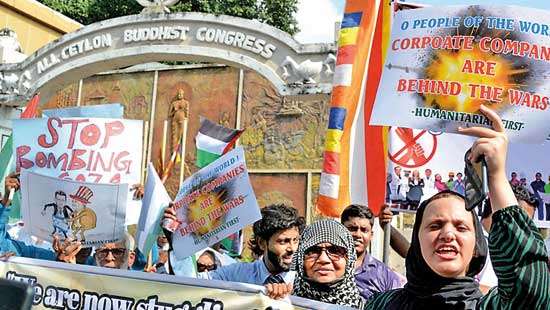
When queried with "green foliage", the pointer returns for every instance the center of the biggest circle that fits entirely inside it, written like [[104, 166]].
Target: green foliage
[[278, 13]]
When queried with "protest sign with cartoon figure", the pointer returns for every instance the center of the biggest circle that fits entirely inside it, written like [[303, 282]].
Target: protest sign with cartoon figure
[[98, 150], [75, 211]]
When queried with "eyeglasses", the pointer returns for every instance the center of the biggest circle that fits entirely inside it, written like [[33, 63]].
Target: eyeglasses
[[334, 252], [117, 253], [203, 267]]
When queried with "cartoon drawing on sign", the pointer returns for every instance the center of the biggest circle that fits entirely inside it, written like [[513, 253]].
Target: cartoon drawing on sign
[[61, 213], [85, 218], [417, 148]]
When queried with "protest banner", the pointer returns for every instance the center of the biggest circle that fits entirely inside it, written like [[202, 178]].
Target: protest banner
[[213, 203], [445, 61], [154, 201], [80, 287], [73, 209], [112, 110], [98, 150]]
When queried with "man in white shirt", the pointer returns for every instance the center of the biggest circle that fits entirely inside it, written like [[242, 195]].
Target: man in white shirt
[[398, 186], [429, 185]]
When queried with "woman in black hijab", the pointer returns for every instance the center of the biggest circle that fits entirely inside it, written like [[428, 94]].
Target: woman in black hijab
[[448, 247]]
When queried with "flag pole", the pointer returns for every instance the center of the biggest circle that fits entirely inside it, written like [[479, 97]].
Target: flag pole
[[386, 249], [183, 143], [387, 237]]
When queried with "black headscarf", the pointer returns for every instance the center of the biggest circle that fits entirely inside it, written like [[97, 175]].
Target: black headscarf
[[425, 289], [342, 292]]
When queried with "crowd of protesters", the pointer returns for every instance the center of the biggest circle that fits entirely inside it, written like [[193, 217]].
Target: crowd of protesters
[[453, 261]]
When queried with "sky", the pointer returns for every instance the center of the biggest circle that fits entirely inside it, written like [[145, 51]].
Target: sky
[[317, 18]]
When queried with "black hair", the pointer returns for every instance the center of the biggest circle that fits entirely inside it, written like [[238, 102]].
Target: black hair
[[275, 217], [211, 254], [487, 209], [359, 211], [60, 193]]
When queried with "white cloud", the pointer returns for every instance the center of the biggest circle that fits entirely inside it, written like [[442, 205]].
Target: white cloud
[[316, 20]]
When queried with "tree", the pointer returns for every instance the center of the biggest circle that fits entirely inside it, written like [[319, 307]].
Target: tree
[[278, 13]]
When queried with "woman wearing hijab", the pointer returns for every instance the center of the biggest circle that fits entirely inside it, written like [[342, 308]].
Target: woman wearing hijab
[[324, 265], [448, 247]]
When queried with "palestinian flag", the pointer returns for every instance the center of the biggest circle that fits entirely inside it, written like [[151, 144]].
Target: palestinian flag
[[213, 140]]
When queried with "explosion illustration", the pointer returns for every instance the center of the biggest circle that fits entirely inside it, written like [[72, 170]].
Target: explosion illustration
[[510, 72], [206, 204]]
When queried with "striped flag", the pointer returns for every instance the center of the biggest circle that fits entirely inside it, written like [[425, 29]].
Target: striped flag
[[213, 140], [7, 165], [354, 151]]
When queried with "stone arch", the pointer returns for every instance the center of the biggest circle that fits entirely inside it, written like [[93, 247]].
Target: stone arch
[[293, 68]]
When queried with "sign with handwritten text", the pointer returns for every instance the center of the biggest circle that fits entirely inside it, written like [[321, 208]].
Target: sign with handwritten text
[[97, 150]]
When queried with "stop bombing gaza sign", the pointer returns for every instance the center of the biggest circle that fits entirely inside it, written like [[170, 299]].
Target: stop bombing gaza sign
[[95, 150], [444, 62]]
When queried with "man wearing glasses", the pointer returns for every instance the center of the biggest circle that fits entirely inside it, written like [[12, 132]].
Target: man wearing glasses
[[114, 255], [371, 275]]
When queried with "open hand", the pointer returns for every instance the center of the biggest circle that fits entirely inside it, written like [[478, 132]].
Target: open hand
[[139, 191]]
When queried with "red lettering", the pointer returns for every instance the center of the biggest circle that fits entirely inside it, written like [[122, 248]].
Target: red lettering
[[55, 137], [122, 165], [115, 179], [97, 177], [40, 159], [74, 126], [21, 162], [402, 85], [395, 45], [98, 159], [52, 161], [77, 163], [112, 129], [64, 175], [80, 178], [90, 134]]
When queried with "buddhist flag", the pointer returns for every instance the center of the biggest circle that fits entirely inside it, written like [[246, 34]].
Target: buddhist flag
[[213, 140], [354, 151]]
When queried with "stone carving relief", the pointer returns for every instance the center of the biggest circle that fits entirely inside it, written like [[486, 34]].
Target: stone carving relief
[[307, 70], [179, 113], [11, 83], [283, 132]]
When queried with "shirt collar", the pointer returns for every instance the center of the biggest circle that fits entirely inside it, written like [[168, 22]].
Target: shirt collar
[[368, 262]]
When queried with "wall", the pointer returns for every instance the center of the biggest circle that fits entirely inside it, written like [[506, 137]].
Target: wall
[[35, 24]]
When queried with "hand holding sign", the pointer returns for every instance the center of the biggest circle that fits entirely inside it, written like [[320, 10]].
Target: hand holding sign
[[11, 184], [493, 145]]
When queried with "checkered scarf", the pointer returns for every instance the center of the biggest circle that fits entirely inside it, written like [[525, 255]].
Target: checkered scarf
[[343, 292]]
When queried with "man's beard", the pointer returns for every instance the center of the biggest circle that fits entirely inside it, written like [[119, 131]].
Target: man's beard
[[276, 261]]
